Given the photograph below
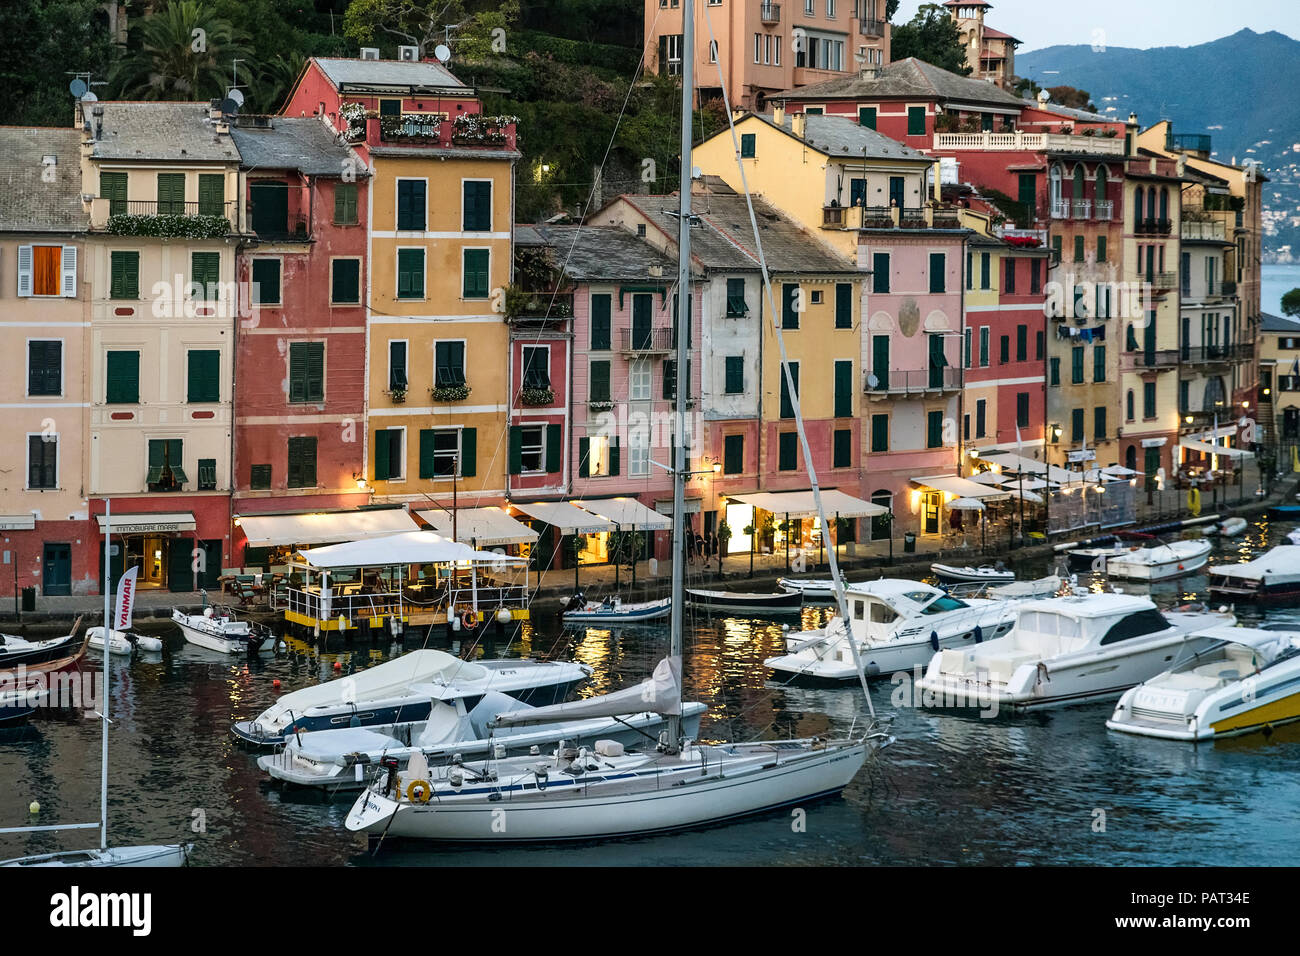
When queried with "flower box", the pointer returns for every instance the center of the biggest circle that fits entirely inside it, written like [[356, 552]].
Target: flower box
[[450, 393], [537, 396]]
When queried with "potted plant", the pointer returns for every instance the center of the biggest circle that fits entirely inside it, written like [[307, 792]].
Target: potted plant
[[450, 393], [398, 395], [536, 396], [724, 535]]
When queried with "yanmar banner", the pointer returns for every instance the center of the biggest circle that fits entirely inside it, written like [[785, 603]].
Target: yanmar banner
[[125, 600]]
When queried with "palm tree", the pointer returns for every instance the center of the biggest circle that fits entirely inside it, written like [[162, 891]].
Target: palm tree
[[180, 52], [274, 82]]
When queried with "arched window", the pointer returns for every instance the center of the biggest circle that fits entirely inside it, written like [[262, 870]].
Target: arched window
[[1131, 457], [1138, 195], [1151, 203], [1100, 189], [1164, 204], [1078, 182], [1128, 405], [1054, 182], [1214, 394]]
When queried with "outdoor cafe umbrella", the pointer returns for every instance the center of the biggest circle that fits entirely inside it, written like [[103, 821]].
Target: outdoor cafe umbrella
[[969, 504]]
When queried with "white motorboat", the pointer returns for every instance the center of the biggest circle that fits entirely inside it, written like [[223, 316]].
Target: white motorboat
[[404, 690], [897, 625], [1065, 651], [338, 759], [1293, 536], [1271, 578], [1025, 590], [123, 642], [17, 704], [819, 589], [984, 574], [1160, 563], [1248, 680], [1231, 527], [218, 629], [614, 610]]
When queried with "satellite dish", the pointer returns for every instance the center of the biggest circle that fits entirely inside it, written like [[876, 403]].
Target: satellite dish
[[88, 97], [235, 96], [442, 52], [78, 88], [872, 380], [229, 106]]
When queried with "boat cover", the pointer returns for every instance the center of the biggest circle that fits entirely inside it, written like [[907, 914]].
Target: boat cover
[[659, 693]]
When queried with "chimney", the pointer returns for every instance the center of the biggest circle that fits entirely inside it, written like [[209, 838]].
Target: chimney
[[799, 124], [1132, 119], [778, 114], [98, 113]]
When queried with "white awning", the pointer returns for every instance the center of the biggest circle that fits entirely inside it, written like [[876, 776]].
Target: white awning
[[990, 478], [323, 527], [564, 516], [1207, 449], [961, 487], [1018, 463], [409, 547], [17, 522], [149, 523], [1119, 471], [802, 504], [626, 513], [692, 506], [482, 527]]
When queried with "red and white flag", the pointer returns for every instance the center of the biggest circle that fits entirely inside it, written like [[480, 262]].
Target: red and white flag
[[125, 600]]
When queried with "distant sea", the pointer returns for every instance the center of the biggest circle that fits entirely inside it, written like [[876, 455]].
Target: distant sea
[[1275, 281]]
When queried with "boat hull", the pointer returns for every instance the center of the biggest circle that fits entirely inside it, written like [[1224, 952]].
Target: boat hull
[[612, 617], [156, 856], [790, 602]]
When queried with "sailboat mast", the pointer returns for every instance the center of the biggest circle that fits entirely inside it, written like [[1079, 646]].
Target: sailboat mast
[[103, 704], [683, 335]]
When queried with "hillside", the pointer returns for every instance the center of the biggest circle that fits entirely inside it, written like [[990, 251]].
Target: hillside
[[1238, 89]]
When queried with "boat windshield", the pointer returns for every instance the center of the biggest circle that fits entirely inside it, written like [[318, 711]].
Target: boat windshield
[[942, 604], [1136, 625]]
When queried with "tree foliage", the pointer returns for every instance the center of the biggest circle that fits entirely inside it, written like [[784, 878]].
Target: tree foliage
[[39, 40], [183, 51], [932, 36], [429, 23], [1070, 97], [1291, 303]]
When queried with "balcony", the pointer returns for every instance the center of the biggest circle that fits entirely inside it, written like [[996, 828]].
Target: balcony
[[871, 28], [915, 382], [292, 229], [428, 130], [1210, 230], [133, 217], [538, 306], [646, 341], [1060, 209], [770, 13], [1155, 359], [1188, 142], [1021, 142], [1153, 227], [1218, 354], [1161, 281], [1105, 209], [1082, 208], [891, 217]]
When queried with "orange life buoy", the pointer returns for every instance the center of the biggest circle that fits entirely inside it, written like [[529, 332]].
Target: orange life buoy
[[468, 619]]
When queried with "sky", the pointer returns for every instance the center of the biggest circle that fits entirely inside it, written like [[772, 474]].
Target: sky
[[1131, 23]]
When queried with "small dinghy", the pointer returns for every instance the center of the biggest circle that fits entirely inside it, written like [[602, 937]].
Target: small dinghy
[[1028, 590], [783, 602], [1161, 562], [218, 630], [1231, 527], [984, 574], [1293, 537], [16, 705], [614, 610], [812, 590], [123, 642]]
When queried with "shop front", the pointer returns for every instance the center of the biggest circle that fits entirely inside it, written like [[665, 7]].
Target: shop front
[[178, 551]]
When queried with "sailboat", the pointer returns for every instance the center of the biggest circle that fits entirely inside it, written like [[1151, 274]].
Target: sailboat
[[104, 855], [606, 790]]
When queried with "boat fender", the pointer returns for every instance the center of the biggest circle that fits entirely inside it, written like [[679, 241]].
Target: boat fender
[[542, 776], [873, 669], [456, 780], [468, 619], [934, 640], [418, 791], [978, 634]]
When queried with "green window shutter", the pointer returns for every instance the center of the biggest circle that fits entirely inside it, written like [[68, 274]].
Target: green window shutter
[[478, 207], [880, 272], [934, 430], [554, 448], [411, 205], [867, 116], [468, 452], [735, 374], [789, 312], [598, 390], [266, 281], [600, 313], [986, 278], [1078, 248], [259, 477], [1076, 365], [476, 274], [843, 449], [397, 365], [387, 454], [788, 452], [345, 282], [212, 194], [205, 270], [670, 379], [410, 273], [516, 459], [171, 194], [204, 375], [426, 453], [970, 270], [1099, 423], [843, 389], [124, 282], [112, 186], [584, 457], [747, 145], [614, 454], [123, 378], [843, 305], [297, 372], [1076, 424], [981, 417], [879, 433], [787, 401], [302, 462], [44, 368], [916, 121], [1056, 249], [207, 474], [1022, 343], [315, 371], [1055, 378], [1099, 363], [938, 263], [736, 304], [449, 363], [345, 203], [733, 454], [1101, 248]]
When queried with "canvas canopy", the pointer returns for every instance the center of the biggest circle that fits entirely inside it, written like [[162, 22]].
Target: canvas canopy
[[1029, 466], [1206, 448], [269, 531], [626, 512], [660, 693], [961, 487], [565, 516], [802, 504], [411, 547], [483, 527]]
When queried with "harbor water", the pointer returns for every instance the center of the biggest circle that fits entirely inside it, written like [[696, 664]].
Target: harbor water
[[1049, 788]]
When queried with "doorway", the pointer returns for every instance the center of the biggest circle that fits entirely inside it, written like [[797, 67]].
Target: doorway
[[930, 512], [56, 570]]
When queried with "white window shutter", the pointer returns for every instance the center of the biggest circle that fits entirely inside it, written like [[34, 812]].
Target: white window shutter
[[69, 270], [25, 270]]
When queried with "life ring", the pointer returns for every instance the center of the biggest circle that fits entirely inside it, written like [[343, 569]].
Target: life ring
[[418, 791], [468, 619]]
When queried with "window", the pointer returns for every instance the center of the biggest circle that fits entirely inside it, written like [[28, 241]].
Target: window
[[259, 477], [1035, 276], [397, 378], [1101, 248], [916, 121], [638, 451], [530, 440], [1136, 625], [537, 366], [733, 454], [598, 381], [867, 116], [970, 270], [388, 454], [790, 305], [204, 382], [448, 364], [1040, 345], [451, 452], [124, 275], [844, 388], [1022, 409], [166, 457], [986, 279], [735, 374], [1099, 423], [390, 107], [737, 307], [787, 401], [842, 452], [122, 377], [410, 273], [1076, 365], [477, 216], [1054, 378], [45, 367], [1004, 349], [42, 462], [598, 457], [879, 433], [670, 379], [1078, 249], [639, 380], [1148, 399], [1009, 283], [1128, 405], [938, 263], [306, 372], [969, 354], [212, 194], [1022, 343], [981, 418], [1076, 424], [112, 186], [880, 272], [934, 430], [171, 194], [1056, 249], [788, 452], [475, 273], [1099, 363], [266, 281], [345, 282], [758, 48], [984, 346], [713, 51], [345, 204], [843, 305], [747, 144], [411, 205], [205, 273], [302, 462], [600, 312]]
